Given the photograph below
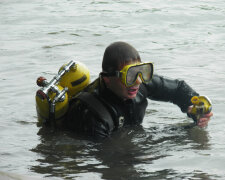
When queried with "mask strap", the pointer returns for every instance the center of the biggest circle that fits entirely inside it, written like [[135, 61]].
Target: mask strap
[[107, 74]]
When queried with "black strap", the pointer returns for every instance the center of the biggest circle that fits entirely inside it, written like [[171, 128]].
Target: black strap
[[97, 106]]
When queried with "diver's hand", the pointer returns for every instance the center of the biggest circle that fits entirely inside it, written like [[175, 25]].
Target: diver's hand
[[203, 120]]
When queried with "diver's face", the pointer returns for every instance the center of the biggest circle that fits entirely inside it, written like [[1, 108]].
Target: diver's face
[[115, 84]]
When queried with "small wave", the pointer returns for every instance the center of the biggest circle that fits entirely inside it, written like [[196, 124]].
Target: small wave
[[58, 45], [56, 32]]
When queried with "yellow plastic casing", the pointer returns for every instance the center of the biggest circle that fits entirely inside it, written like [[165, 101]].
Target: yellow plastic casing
[[76, 79], [43, 109], [198, 101]]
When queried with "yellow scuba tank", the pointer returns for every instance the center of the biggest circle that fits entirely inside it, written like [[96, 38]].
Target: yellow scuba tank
[[44, 106], [76, 79], [52, 100], [201, 105]]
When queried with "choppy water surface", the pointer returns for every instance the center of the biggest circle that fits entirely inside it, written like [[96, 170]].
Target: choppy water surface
[[184, 39]]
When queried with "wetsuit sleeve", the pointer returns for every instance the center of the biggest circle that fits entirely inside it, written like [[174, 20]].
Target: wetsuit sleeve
[[175, 91], [82, 120]]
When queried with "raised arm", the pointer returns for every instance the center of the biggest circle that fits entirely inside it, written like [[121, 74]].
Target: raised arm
[[175, 91]]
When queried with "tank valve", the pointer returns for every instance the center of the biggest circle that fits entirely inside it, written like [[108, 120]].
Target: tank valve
[[52, 85], [42, 81]]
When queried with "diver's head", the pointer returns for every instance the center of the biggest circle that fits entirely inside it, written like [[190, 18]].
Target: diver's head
[[117, 55]]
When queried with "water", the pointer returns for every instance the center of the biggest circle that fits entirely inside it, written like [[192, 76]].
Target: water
[[184, 39]]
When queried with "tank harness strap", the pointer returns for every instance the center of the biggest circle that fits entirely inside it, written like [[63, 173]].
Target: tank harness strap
[[96, 105]]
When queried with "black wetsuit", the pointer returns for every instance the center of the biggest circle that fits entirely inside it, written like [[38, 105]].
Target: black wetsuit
[[85, 118]]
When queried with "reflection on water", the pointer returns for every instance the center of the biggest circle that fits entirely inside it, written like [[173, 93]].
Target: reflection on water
[[126, 154]]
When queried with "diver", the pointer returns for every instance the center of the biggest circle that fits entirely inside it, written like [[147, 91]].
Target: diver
[[118, 97]]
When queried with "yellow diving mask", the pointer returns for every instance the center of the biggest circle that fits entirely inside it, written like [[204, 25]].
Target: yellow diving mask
[[131, 72]]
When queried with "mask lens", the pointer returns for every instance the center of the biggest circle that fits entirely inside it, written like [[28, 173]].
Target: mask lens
[[131, 76], [145, 70]]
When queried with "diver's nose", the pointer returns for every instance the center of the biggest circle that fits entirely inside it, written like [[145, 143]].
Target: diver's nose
[[138, 80]]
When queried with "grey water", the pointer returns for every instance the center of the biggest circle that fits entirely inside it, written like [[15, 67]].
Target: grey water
[[184, 39]]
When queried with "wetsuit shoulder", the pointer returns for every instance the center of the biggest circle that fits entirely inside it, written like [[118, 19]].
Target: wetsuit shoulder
[[88, 115]]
